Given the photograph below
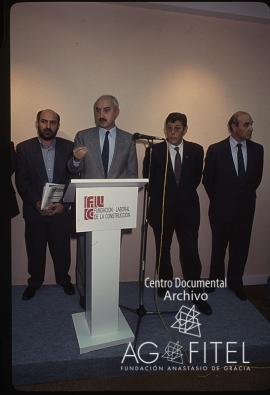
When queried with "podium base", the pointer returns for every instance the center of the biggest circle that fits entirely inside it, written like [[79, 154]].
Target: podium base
[[88, 342]]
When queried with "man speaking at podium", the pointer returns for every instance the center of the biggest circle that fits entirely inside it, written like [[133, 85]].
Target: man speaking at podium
[[104, 151]]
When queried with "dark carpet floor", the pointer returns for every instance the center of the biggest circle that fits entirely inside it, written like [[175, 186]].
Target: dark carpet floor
[[249, 315]]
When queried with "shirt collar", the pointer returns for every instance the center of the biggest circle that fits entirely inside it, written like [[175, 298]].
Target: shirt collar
[[172, 147], [112, 130], [51, 146], [234, 142]]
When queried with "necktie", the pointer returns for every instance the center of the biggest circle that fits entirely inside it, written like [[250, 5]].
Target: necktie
[[105, 153], [177, 166], [240, 160]]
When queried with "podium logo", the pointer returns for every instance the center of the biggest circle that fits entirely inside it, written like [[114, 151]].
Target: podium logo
[[90, 203]]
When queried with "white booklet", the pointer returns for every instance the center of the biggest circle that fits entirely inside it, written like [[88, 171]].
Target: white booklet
[[52, 193]]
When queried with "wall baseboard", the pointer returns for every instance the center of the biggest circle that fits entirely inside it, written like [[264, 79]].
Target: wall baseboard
[[261, 279]]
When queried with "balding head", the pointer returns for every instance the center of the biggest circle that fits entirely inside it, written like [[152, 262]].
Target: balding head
[[48, 111], [240, 126], [234, 120], [47, 124]]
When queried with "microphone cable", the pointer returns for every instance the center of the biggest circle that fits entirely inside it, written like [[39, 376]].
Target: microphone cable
[[175, 337]]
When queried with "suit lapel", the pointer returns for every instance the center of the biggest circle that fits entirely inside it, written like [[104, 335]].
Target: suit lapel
[[229, 158], [39, 162], [118, 148], [96, 154], [162, 158], [170, 165], [249, 157], [57, 158], [186, 157]]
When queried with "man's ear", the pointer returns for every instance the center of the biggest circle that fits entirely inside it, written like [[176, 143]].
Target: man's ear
[[165, 133]]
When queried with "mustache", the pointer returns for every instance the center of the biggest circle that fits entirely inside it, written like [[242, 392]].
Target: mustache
[[102, 119], [48, 130]]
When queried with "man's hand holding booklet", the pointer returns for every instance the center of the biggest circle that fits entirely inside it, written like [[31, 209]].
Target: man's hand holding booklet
[[52, 193]]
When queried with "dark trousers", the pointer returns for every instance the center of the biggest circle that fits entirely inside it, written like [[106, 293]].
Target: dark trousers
[[234, 233], [187, 236], [52, 231]]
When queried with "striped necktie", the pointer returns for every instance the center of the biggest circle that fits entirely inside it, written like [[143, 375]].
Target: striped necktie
[[177, 166]]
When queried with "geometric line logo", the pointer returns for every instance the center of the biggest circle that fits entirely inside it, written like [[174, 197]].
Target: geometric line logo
[[187, 321], [173, 352]]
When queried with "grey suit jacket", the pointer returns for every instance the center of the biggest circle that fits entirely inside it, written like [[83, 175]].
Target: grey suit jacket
[[124, 162]]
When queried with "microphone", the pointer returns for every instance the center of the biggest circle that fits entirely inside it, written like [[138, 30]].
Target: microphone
[[139, 136]]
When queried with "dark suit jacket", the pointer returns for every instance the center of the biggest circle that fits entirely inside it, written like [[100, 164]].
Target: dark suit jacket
[[14, 208], [31, 175], [182, 199], [228, 196]]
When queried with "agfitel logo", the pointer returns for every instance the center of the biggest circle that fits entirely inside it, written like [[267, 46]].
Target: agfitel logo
[[229, 353], [187, 321], [90, 203]]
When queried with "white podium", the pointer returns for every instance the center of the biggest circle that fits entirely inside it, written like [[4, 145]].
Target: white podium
[[103, 208]]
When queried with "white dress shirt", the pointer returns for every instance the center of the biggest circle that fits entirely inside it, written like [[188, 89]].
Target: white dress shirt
[[172, 151], [234, 150], [112, 137]]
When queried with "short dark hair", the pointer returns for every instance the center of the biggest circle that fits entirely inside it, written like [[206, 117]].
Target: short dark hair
[[39, 113], [176, 116]]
